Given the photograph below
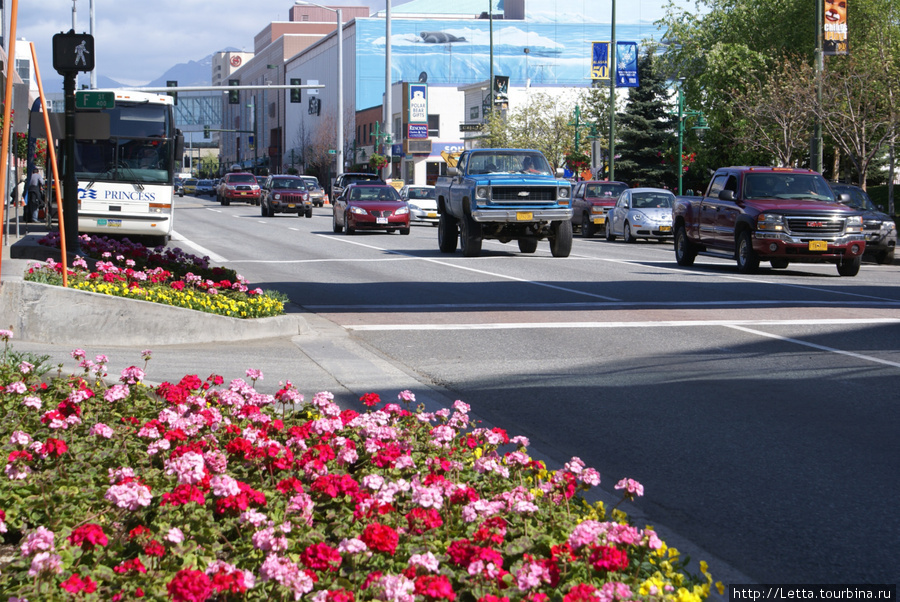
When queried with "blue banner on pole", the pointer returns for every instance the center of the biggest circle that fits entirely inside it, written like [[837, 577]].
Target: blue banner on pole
[[627, 65], [600, 60]]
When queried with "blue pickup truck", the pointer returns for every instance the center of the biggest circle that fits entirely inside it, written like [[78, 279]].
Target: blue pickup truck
[[505, 195]]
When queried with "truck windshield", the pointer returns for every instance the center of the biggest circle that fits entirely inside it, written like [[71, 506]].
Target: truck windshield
[[787, 186], [509, 162]]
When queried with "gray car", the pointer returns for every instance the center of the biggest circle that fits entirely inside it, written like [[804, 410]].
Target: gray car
[[880, 229], [641, 213]]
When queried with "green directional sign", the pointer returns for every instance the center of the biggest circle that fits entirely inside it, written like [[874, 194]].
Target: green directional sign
[[90, 99]]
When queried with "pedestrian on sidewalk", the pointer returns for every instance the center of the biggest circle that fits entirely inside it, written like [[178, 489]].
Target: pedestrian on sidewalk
[[35, 197]]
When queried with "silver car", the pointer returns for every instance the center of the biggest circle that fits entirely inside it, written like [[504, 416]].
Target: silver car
[[422, 203], [641, 213]]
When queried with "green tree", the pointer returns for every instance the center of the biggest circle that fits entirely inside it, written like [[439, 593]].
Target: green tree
[[645, 138]]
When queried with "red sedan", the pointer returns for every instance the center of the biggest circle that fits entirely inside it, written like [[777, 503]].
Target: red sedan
[[370, 207]]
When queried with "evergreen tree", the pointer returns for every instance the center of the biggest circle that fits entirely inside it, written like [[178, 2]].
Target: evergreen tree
[[645, 135]]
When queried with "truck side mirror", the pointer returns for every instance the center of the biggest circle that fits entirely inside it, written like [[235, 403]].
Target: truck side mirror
[[843, 198], [453, 171], [726, 195], [560, 172]]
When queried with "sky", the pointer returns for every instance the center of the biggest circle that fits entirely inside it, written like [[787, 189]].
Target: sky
[[136, 41]]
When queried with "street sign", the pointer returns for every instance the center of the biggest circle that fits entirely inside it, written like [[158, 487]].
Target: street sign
[[87, 99], [417, 130], [471, 127], [331, 151]]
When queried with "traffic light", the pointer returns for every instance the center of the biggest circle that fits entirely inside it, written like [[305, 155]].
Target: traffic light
[[173, 84], [295, 92], [206, 131], [234, 95]]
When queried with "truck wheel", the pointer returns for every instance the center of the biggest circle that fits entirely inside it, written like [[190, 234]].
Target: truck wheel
[[747, 259], [448, 233], [470, 236], [627, 234], [308, 213], [685, 251], [779, 264], [263, 211], [404, 231], [561, 238], [849, 267], [336, 227], [886, 257], [587, 226], [528, 244]]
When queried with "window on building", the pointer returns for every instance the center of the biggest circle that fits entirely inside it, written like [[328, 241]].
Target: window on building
[[304, 17], [23, 68], [434, 126]]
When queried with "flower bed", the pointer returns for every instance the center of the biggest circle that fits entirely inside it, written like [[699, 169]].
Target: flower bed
[[167, 276], [201, 490]]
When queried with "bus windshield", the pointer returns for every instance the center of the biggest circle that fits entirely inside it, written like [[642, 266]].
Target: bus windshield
[[138, 150]]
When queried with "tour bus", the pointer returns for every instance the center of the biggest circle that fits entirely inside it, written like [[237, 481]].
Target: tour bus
[[126, 180]]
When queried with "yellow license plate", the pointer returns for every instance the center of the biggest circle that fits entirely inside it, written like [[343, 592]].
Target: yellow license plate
[[431, 214], [291, 205], [818, 245], [665, 228], [524, 216], [599, 220]]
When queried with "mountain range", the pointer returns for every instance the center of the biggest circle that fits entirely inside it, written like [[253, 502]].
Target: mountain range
[[191, 73]]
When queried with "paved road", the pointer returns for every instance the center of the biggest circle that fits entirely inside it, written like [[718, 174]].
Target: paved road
[[758, 411]]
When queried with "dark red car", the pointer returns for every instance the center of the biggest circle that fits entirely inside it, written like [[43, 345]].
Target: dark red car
[[370, 207], [591, 202]]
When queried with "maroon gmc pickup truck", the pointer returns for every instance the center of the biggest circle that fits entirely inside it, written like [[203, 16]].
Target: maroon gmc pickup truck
[[773, 214]]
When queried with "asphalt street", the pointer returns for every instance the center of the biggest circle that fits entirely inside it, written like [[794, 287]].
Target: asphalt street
[[758, 411]]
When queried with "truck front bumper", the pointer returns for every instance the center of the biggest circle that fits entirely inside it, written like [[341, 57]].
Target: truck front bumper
[[513, 216], [806, 249]]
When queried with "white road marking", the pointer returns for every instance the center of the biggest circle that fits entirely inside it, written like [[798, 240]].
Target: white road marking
[[867, 358], [201, 250], [651, 324], [468, 269], [588, 305]]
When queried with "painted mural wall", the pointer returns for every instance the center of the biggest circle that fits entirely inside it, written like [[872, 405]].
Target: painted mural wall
[[458, 51]]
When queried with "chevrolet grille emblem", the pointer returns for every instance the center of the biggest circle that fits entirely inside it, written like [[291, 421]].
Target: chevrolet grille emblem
[[524, 193]]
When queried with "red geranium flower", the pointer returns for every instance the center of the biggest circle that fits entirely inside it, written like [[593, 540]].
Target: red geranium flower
[[381, 538], [370, 399], [88, 536], [435, 587], [609, 558], [189, 586], [54, 447], [76, 584], [581, 593], [321, 557]]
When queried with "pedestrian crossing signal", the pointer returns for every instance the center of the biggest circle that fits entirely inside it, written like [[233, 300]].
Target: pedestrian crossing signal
[[73, 52]]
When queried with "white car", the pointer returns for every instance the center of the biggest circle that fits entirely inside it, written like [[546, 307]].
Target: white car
[[422, 203], [641, 213]]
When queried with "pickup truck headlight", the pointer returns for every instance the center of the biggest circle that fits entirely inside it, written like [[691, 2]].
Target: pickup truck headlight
[[564, 192], [483, 192], [598, 209], [770, 222], [888, 227], [854, 223], [358, 210]]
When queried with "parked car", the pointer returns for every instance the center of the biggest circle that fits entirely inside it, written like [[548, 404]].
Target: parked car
[[316, 192], [368, 206], [641, 213], [422, 203], [345, 179], [189, 187], [591, 203], [205, 187], [879, 228], [285, 194], [238, 186]]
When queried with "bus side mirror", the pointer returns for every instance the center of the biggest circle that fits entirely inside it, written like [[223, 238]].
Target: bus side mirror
[[179, 147]]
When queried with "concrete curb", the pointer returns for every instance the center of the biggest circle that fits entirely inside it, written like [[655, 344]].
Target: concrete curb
[[61, 316]]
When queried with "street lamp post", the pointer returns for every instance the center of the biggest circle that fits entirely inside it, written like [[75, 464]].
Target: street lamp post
[[339, 34], [682, 117]]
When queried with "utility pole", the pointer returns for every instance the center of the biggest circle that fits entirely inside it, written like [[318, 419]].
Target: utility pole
[[612, 97]]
